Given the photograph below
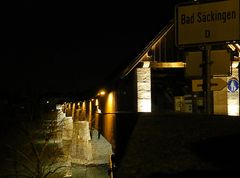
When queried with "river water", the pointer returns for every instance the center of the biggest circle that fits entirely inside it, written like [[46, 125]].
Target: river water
[[116, 128]]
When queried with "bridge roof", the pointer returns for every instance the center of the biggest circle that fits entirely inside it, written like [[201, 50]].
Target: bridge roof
[[139, 57]]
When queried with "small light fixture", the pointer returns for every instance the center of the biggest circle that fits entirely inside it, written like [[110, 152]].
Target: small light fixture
[[146, 64], [232, 47], [237, 46], [235, 64], [101, 92]]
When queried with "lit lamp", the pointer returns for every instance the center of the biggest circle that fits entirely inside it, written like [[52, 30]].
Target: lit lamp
[[101, 93], [235, 64], [146, 64]]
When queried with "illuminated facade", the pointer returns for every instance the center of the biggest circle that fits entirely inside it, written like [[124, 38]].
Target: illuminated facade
[[144, 101], [159, 80], [162, 73]]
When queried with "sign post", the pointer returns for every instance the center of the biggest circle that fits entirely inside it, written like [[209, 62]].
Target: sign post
[[217, 84], [205, 24], [208, 98]]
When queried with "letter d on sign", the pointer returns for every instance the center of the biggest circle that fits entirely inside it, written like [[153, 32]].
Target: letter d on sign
[[207, 33]]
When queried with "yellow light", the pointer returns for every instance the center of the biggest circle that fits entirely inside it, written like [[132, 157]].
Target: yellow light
[[232, 47], [110, 103], [235, 64], [168, 65], [146, 64], [238, 46], [84, 105], [96, 102], [102, 92]]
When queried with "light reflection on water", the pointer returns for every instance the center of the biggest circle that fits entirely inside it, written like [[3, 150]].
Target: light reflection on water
[[108, 129], [106, 125], [116, 128]]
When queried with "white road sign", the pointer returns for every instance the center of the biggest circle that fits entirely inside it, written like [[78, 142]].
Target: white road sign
[[207, 22]]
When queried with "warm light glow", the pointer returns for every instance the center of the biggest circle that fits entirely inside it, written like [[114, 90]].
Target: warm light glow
[[90, 106], [84, 105], [237, 46], [89, 112], [232, 47], [96, 102], [109, 127], [237, 58], [69, 105], [110, 103], [235, 64], [102, 92], [146, 64], [148, 56], [73, 110], [168, 65], [59, 106]]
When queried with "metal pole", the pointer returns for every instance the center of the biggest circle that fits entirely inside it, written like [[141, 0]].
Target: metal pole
[[208, 103]]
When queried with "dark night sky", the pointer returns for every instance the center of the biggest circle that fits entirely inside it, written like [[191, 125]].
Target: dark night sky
[[66, 45]]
